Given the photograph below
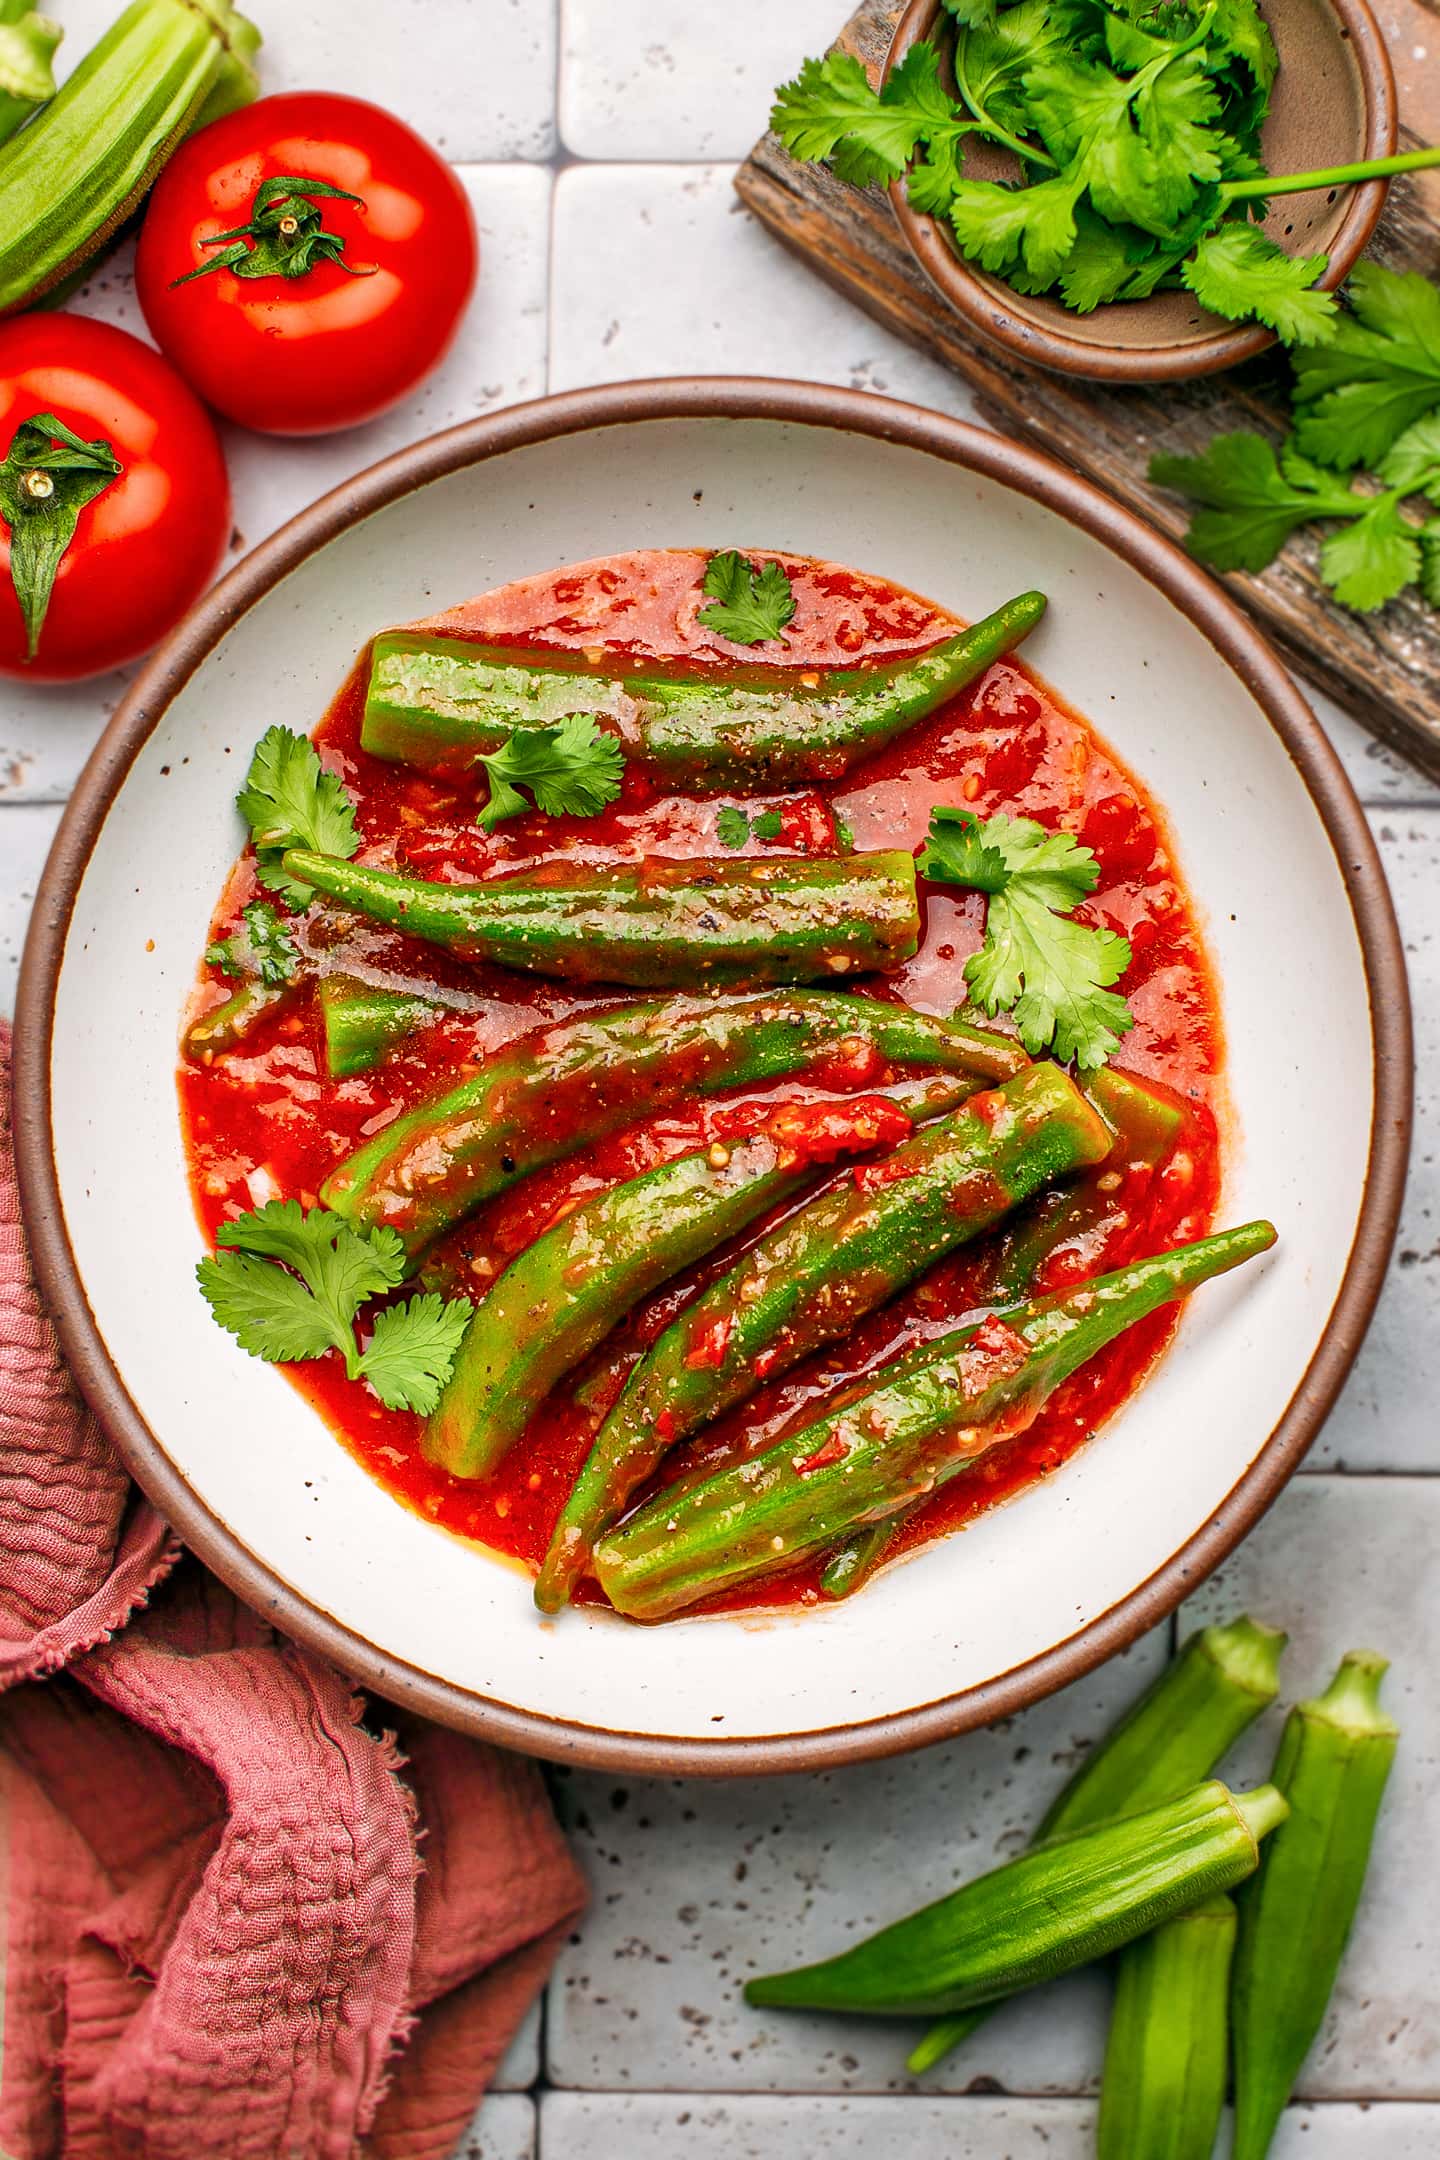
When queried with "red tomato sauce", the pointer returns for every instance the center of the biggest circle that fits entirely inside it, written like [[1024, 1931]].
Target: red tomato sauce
[[267, 1121]]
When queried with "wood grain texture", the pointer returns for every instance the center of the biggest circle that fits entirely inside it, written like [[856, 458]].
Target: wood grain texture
[[1383, 668]]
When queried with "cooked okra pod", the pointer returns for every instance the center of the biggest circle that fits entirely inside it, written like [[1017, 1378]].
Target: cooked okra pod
[[929, 1417], [1167, 2059], [362, 1023], [440, 702], [814, 1276], [225, 1027], [548, 1094], [1145, 1124], [1334, 1760], [655, 924], [1168, 1741], [1056, 1907], [565, 1292]]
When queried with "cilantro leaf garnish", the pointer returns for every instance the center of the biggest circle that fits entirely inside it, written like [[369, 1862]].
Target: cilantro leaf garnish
[[1253, 499], [262, 947], [1051, 973], [1236, 271], [412, 1348], [290, 801], [572, 770], [749, 606], [733, 828], [831, 111], [288, 1285], [1378, 373]]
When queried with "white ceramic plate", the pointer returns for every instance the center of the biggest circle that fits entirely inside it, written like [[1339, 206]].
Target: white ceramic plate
[[1270, 839]]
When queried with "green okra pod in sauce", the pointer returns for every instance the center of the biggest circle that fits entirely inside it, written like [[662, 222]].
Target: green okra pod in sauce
[[438, 701]]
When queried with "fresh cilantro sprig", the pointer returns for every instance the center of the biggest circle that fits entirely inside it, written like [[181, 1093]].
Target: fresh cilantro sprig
[[1252, 498], [1376, 376], [288, 1285], [290, 801], [749, 606], [1138, 134], [1051, 973], [572, 770], [262, 947], [733, 828]]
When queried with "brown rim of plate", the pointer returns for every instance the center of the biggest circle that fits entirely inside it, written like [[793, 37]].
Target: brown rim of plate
[[977, 300], [996, 458]]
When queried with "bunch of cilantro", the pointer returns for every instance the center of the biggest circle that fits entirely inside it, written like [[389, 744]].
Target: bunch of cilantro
[[1367, 398], [1137, 131]]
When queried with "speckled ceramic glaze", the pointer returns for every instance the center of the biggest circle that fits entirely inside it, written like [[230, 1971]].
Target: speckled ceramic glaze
[[1274, 849]]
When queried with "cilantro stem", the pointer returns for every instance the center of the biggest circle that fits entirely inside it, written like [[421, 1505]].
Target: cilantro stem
[[1329, 176], [991, 126]]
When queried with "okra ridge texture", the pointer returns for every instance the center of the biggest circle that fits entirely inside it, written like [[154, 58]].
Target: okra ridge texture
[[440, 702], [810, 1280], [551, 1091], [930, 1415], [657, 924]]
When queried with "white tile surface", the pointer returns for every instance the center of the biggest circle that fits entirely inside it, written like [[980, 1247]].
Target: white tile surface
[[607, 2126], [1343, 1563], [659, 271], [678, 82], [521, 2066], [475, 77], [504, 2129], [696, 1887], [25, 835], [1387, 1417]]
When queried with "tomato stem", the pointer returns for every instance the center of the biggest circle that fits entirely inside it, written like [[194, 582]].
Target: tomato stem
[[285, 235], [47, 478]]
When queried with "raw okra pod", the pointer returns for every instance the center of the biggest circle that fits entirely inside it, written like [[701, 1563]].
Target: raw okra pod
[[1334, 1760], [661, 923], [1058, 1906], [443, 702], [1221, 1680], [1167, 2059]]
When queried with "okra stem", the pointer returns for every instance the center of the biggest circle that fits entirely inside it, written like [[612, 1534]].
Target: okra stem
[[1056, 1907], [1334, 1760], [440, 702], [226, 1026], [657, 925], [1174, 1736]]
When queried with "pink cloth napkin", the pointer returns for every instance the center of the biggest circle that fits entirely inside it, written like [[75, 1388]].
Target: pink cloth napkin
[[236, 1917]]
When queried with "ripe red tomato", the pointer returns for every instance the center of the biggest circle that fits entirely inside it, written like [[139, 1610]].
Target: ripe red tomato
[[149, 542], [312, 346]]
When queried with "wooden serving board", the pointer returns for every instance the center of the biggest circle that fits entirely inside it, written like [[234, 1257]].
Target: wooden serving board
[[1384, 668]]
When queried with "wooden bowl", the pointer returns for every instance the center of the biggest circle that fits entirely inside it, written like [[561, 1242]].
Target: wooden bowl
[[1333, 103]]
